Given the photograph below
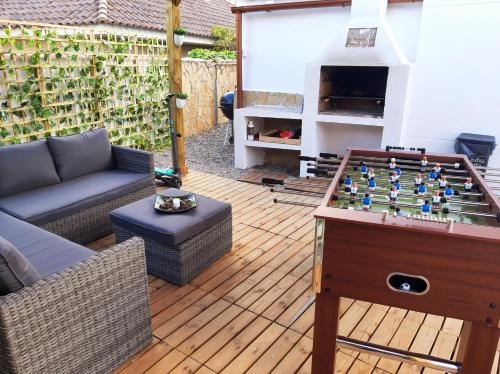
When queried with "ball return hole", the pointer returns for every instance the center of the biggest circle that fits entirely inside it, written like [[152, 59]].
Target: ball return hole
[[413, 284]]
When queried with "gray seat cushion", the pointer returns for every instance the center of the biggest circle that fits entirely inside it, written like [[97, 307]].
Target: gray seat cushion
[[48, 253], [60, 200], [16, 271], [25, 167], [142, 219], [81, 154]]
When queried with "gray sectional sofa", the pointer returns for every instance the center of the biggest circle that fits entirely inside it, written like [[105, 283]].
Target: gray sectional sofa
[[63, 307], [68, 185]]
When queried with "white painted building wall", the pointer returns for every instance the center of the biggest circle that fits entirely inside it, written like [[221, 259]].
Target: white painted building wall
[[456, 82], [454, 45]]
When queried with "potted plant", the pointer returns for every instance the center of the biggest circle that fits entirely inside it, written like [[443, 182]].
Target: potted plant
[[180, 100], [179, 36]]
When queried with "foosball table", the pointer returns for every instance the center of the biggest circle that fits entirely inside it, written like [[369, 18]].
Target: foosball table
[[410, 230]]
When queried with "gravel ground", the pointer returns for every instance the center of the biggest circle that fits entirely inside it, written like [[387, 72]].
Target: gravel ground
[[206, 152]]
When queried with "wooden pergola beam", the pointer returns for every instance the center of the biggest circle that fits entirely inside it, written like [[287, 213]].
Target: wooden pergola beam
[[173, 21]]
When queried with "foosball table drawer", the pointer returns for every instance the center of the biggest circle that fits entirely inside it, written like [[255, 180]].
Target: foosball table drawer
[[393, 266]]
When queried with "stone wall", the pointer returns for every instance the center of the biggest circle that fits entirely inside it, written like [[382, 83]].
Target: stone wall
[[198, 82], [251, 98]]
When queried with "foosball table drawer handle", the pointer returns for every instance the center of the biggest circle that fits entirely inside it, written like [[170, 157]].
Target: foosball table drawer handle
[[406, 283]]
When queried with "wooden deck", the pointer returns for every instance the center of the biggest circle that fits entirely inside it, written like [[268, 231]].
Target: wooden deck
[[238, 316]]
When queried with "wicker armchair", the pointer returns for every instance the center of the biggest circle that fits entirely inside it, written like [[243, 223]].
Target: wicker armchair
[[88, 319], [93, 223]]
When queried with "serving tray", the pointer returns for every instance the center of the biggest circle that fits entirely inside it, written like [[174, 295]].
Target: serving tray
[[166, 204]]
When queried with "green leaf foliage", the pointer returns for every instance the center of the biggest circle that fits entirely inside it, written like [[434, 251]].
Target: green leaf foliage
[[180, 31], [58, 84], [209, 54], [225, 38]]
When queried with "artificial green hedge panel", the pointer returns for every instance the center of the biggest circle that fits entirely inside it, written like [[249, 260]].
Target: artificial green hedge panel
[[59, 80]]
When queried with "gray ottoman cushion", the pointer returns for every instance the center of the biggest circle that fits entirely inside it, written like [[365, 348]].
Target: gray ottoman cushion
[[25, 167], [16, 271], [80, 154], [170, 229]]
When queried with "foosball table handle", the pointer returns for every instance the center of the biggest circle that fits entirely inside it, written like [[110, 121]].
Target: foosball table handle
[[272, 181], [317, 171], [307, 158], [328, 155]]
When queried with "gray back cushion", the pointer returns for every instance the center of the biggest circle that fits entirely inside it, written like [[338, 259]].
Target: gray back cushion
[[25, 167], [16, 271], [80, 154]]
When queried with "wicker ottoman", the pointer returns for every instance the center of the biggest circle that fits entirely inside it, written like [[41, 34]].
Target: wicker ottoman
[[178, 246]]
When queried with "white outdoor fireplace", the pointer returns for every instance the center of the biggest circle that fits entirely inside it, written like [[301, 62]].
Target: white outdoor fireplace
[[356, 91], [355, 94]]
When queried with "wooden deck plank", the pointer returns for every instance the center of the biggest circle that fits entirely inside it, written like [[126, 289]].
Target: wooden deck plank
[[188, 366], [190, 310], [143, 360], [402, 339], [275, 353], [224, 336], [179, 305], [167, 363], [255, 350], [240, 315], [210, 329], [194, 324], [234, 347]]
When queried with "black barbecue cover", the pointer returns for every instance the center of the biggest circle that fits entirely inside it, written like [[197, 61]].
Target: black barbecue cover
[[227, 105], [477, 147]]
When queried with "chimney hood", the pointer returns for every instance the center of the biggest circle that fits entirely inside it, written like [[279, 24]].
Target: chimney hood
[[366, 40]]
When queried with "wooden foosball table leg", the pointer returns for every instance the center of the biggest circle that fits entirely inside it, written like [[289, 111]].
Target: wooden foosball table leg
[[477, 348], [325, 333]]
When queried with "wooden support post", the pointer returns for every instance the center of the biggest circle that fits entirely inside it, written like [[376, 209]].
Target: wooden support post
[[477, 349], [239, 60], [326, 322], [175, 75]]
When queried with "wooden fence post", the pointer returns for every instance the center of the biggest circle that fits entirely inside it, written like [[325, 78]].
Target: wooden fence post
[[173, 21]]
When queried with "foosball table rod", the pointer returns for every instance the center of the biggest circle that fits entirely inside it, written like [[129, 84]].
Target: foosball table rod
[[334, 166], [411, 358], [337, 161], [389, 203], [450, 201], [329, 156], [385, 352], [407, 184], [314, 194], [297, 192], [331, 170], [321, 178], [416, 206], [296, 203]]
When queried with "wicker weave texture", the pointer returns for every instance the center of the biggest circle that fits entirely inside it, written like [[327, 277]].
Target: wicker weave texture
[[181, 263], [88, 319], [93, 223], [133, 159]]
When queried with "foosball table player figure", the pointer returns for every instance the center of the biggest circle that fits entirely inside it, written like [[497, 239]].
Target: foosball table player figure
[[442, 258]]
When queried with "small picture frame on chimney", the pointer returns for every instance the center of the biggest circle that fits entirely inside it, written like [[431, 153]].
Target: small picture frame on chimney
[[361, 38]]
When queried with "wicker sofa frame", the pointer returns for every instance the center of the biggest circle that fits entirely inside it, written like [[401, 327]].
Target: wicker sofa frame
[[93, 223], [88, 319], [181, 263]]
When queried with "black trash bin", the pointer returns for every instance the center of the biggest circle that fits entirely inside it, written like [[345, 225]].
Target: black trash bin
[[477, 147]]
